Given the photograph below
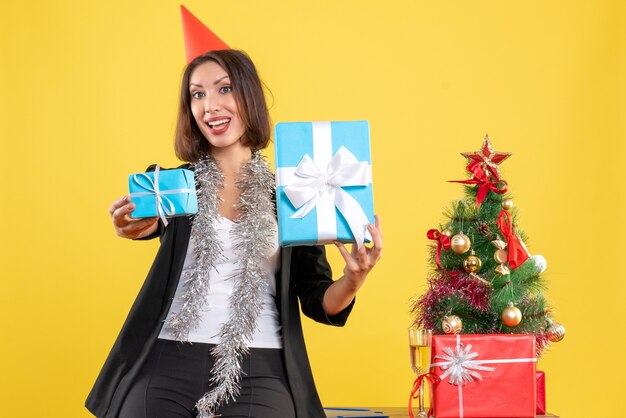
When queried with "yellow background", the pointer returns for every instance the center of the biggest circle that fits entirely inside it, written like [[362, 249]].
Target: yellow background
[[88, 94]]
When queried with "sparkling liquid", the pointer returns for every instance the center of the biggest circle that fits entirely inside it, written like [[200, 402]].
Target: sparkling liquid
[[420, 358]]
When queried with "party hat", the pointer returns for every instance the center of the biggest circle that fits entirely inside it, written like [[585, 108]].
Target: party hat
[[198, 38]]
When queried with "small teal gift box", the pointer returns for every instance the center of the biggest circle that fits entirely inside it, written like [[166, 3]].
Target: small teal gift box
[[323, 182], [163, 193]]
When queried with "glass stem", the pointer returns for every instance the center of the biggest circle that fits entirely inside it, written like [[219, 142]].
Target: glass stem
[[421, 410]]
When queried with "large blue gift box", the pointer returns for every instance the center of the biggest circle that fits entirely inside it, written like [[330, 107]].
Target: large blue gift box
[[323, 182], [163, 193]]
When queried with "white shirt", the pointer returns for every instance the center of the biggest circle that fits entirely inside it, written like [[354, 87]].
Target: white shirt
[[221, 285]]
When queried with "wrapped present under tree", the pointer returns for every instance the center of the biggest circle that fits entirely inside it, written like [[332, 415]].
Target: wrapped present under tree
[[481, 376]]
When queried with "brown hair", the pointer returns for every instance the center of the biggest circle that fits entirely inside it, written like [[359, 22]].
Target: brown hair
[[189, 143]]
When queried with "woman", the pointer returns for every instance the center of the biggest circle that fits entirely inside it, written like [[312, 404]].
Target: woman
[[219, 280]]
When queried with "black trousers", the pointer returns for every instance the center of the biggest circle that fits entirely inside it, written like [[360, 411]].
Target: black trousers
[[176, 375]]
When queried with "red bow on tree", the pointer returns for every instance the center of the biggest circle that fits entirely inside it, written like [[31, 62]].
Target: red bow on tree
[[442, 241], [483, 180], [517, 252]]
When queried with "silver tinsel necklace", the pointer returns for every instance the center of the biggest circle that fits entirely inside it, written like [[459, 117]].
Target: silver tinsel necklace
[[252, 237]]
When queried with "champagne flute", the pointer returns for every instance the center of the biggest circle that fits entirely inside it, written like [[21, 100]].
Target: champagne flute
[[420, 343]]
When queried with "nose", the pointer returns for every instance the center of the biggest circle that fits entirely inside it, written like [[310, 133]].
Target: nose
[[211, 104]]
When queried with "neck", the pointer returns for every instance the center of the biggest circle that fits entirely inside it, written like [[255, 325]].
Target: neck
[[230, 160]]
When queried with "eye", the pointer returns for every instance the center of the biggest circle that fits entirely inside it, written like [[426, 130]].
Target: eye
[[226, 89], [197, 94]]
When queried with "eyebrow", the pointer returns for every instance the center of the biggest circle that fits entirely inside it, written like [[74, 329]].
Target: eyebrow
[[214, 83], [220, 79]]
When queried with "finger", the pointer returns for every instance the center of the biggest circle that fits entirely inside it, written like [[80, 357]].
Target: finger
[[138, 226], [148, 230], [342, 249], [376, 254], [378, 225], [121, 216], [363, 258], [345, 254], [118, 204], [377, 237]]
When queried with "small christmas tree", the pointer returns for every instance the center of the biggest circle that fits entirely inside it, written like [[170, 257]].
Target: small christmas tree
[[483, 280]]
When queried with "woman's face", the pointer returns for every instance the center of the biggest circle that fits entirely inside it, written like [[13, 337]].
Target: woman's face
[[214, 106]]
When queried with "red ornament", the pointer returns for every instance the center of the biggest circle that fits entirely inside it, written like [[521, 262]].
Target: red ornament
[[487, 159]]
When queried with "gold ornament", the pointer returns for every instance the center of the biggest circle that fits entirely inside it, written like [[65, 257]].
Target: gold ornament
[[507, 204], [460, 243], [500, 256], [499, 244], [555, 332], [472, 263], [503, 270], [451, 324], [447, 233], [511, 316]]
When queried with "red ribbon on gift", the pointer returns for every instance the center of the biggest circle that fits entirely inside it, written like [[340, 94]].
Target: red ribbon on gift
[[442, 241], [415, 393], [517, 252], [482, 179]]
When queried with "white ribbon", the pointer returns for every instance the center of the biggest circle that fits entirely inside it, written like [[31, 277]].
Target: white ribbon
[[164, 206], [321, 187], [461, 368]]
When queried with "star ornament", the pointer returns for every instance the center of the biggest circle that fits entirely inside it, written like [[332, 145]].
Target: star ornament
[[486, 158]]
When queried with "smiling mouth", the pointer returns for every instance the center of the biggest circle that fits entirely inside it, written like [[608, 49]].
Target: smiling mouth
[[218, 126], [218, 122]]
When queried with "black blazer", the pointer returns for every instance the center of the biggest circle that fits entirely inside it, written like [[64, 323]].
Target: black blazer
[[304, 275]]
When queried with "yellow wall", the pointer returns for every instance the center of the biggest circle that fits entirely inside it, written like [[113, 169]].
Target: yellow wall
[[88, 94]]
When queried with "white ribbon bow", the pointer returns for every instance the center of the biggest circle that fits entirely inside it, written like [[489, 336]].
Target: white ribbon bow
[[460, 366], [316, 184], [164, 206]]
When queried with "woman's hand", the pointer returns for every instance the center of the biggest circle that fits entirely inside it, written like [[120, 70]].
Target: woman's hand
[[127, 227], [359, 262]]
